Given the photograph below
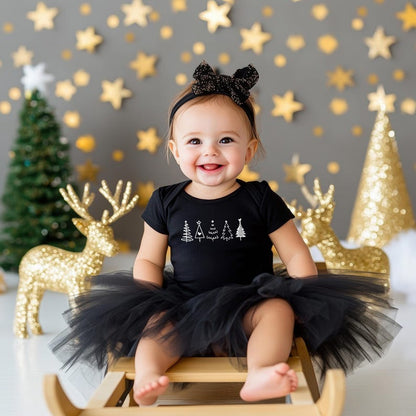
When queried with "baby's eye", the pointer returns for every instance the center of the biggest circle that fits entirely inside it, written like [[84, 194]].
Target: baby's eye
[[226, 140], [194, 141]]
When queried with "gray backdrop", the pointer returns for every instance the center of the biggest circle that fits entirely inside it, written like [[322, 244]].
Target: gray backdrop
[[305, 73]]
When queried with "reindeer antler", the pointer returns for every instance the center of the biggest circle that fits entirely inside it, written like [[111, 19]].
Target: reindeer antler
[[119, 209], [298, 212], [80, 207]]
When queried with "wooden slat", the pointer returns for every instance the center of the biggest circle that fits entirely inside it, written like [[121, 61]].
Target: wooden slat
[[109, 391], [302, 394], [223, 410], [199, 369]]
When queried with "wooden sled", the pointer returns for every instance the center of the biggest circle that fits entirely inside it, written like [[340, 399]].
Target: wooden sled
[[113, 395]]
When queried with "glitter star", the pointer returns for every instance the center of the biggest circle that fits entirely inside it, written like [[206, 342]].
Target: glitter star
[[87, 39], [81, 78], [248, 175], [379, 100], [148, 140], [296, 171], [22, 57], [145, 191], [114, 92], [42, 16], [340, 78], [65, 89], [408, 17], [379, 44], [285, 106], [408, 106], [179, 5], [35, 78], [144, 65], [136, 12], [254, 38], [86, 143], [88, 171], [216, 15], [72, 119]]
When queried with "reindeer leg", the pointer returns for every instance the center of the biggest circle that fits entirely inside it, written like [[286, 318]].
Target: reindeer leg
[[20, 315], [33, 310]]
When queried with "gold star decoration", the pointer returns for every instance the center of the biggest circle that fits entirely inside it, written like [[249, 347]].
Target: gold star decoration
[[179, 5], [295, 42], [216, 15], [88, 171], [379, 100], [319, 11], [327, 44], [85, 143], [338, 106], [254, 38], [88, 40], [72, 119], [22, 57], [248, 175], [285, 106], [114, 92], [148, 140], [144, 65], [65, 89], [408, 17], [408, 106], [117, 155], [296, 171], [81, 78], [145, 191], [136, 12], [340, 78], [379, 44], [42, 16]]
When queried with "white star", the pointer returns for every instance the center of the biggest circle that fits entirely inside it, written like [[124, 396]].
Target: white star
[[36, 78]]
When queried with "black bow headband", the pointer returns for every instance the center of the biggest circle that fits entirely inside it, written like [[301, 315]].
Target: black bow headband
[[207, 82]]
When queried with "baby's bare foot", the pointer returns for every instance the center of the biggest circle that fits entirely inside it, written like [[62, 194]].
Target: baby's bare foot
[[146, 392], [269, 382]]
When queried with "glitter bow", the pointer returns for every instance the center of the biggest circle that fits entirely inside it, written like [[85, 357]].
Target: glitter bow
[[237, 86]]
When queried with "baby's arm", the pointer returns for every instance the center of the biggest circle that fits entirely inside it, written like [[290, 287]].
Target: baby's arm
[[151, 258], [293, 251]]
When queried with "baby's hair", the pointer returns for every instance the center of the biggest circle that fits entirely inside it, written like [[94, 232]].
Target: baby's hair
[[251, 125]]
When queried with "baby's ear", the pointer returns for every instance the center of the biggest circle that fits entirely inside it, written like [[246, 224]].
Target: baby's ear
[[251, 149], [173, 149]]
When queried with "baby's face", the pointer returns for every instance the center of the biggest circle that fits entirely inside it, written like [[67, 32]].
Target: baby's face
[[212, 141]]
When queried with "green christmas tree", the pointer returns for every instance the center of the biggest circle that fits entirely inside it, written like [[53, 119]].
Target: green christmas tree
[[33, 211]]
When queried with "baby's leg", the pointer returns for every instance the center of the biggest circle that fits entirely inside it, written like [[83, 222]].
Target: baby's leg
[[153, 357], [269, 326]]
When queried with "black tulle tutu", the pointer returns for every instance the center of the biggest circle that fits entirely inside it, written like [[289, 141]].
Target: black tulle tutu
[[344, 319]]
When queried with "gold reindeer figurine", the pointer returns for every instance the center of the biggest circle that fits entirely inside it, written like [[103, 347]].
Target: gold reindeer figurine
[[316, 230], [50, 268]]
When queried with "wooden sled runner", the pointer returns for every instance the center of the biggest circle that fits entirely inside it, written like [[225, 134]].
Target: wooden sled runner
[[112, 396]]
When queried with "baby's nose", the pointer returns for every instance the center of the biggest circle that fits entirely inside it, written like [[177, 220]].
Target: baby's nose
[[210, 150]]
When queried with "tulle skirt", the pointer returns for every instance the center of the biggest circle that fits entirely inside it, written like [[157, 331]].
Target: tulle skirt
[[344, 319]]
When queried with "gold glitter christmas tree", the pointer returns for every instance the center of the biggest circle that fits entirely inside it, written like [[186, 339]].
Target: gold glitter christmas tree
[[382, 208]]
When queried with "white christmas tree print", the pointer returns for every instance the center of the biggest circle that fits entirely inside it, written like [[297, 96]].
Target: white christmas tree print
[[199, 234], [186, 236], [212, 232], [240, 230], [227, 234]]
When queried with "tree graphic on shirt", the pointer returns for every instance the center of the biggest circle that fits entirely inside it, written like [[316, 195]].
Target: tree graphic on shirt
[[186, 236], [240, 230], [227, 234], [212, 232], [199, 234]]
